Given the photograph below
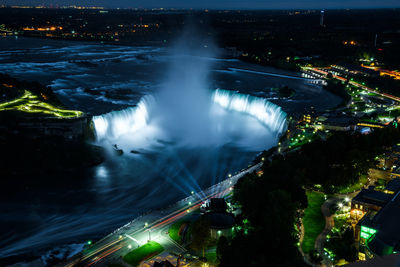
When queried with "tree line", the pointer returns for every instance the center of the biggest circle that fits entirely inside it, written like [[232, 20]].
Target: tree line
[[266, 232]]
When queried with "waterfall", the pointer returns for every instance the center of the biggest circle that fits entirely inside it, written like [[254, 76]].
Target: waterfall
[[130, 120], [237, 107], [266, 112]]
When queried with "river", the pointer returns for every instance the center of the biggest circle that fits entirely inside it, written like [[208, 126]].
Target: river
[[53, 215]]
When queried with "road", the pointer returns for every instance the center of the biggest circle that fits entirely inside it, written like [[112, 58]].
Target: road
[[329, 223], [359, 85], [153, 225]]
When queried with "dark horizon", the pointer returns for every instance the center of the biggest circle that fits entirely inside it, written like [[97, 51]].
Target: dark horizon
[[208, 4]]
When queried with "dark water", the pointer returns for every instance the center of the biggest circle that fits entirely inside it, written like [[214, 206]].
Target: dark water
[[63, 210]]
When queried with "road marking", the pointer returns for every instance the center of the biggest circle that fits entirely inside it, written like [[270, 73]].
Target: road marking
[[137, 241]]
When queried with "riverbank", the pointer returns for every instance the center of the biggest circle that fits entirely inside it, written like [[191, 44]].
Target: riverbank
[[39, 135]]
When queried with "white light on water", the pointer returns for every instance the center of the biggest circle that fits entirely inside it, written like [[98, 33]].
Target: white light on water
[[130, 120], [136, 123], [266, 112]]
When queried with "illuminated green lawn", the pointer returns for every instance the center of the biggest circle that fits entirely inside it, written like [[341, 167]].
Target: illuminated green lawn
[[355, 187], [30, 103], [174, 229], [142, 253], [211, 254], [313, 220]]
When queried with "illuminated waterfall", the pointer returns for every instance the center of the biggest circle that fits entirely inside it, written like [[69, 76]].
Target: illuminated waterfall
[[129, 122], [266, 112]]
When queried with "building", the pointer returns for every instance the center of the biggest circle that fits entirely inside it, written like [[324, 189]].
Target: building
[[220, 220], [350, 69], [368, 200], [165, 263], [321, 19], [376, 217], [342, 123], [36, 127]]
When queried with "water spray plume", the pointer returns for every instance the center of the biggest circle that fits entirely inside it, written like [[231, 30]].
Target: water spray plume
[[187, 113]]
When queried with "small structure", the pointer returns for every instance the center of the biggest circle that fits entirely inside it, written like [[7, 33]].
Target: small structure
[[350, 69], [221, 222], [165, 263], [377, 220]]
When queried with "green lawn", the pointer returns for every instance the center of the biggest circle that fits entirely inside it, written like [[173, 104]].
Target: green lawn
[[174, 229], [31, 103], [211, 254], [313, 220], [355, 187], [144, 252]]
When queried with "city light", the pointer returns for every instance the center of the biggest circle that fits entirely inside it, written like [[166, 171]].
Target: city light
[[31, 103]]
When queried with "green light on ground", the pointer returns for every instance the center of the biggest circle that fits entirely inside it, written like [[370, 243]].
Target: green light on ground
[[89, 242], [30, 103]]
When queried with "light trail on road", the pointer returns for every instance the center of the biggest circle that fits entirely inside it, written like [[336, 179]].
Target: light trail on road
[[113, 246]]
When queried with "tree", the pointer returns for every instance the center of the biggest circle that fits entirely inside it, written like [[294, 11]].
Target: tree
[[222, 247], [200, 234]]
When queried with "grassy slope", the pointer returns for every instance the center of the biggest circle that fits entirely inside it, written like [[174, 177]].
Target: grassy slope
[[173, 231], [144, 252], [355, 187], [313, 220]]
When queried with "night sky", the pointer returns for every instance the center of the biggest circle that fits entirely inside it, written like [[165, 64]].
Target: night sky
[[216, 4]]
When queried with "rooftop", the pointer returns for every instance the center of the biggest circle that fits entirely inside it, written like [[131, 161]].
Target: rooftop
[[387, 222], [373, 197]]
